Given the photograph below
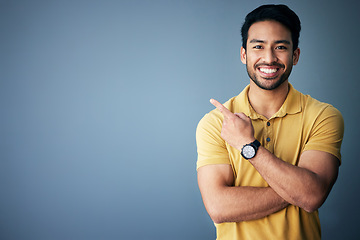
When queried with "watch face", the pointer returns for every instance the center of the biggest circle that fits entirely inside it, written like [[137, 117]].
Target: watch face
[[248, 151]]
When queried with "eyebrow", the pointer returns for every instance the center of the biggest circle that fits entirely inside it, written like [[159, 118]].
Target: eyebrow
[[277, 42]]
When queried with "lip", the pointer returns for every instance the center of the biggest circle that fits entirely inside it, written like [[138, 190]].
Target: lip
[[270, 71]]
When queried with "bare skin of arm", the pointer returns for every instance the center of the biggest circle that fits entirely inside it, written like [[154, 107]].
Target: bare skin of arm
[[226, 203], [306, 185]]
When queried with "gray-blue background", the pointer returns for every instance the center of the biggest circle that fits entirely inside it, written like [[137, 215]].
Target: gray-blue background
[[100, 100]]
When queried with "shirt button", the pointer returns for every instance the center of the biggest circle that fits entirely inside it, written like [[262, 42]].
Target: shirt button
[[268, 123], [268, 139]]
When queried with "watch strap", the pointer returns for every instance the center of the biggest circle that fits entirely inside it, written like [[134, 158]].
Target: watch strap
[[256, 143]]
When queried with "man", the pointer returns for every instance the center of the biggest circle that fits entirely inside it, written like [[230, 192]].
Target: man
[[268, 158]]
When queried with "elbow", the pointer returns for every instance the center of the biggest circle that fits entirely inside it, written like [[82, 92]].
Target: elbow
[[313, 199], [310, 208], [216, 215], [218, 220], [313, 203]]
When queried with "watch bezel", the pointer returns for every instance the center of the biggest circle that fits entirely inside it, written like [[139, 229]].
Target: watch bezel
[[248, 151], [254, 146]]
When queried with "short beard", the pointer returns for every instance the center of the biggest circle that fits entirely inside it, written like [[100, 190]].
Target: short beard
[[275, 85]]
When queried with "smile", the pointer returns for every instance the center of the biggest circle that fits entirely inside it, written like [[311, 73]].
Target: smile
[[268, 70]]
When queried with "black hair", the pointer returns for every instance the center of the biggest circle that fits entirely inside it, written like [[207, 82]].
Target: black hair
[[280, 13]]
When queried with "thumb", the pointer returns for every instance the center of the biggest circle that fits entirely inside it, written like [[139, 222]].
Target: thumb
[[242, 116]]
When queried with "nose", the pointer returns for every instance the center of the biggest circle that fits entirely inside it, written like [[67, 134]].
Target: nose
[[270, 56]]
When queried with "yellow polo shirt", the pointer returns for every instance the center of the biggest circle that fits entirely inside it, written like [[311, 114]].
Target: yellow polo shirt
[[301, 124]]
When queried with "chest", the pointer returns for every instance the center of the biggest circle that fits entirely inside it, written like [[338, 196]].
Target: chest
[[284, 137]]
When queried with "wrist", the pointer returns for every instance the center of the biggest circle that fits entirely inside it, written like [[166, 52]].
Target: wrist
[[249, 150], [245, 142]]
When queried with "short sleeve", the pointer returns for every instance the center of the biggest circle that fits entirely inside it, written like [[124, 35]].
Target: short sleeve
[[211, 147], [327, 132]]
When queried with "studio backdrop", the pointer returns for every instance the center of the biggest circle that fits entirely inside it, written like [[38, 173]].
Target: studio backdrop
[[99, 102]]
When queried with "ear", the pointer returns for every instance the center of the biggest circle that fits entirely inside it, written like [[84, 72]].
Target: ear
[[296, 56], [243, 55]]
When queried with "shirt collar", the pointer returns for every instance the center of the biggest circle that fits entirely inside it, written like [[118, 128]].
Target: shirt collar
[[292, 104]]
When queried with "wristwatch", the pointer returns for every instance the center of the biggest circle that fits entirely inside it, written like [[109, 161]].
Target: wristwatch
[[248, 151]]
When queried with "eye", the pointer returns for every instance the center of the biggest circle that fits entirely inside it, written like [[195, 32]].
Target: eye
[[281, 47], [257, 47]]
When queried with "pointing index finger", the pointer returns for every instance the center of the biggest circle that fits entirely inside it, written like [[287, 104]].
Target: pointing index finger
[[226, 112]]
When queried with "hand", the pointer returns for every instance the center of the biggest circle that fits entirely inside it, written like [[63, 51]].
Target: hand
[[237, 129]]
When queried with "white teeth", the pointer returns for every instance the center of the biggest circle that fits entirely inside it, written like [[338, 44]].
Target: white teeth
[[268, 70]]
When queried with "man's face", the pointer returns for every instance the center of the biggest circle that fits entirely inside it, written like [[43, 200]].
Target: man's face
[[269, 56]]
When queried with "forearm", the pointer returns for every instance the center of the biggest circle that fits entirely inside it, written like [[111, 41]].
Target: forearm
[[298, 186], [236, 204], [305, 185]]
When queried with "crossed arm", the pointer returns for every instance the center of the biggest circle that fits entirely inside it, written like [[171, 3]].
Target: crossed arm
[[306, 185], [226, 203]]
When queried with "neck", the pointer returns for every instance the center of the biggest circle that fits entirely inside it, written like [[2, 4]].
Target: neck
[[267, 102]]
